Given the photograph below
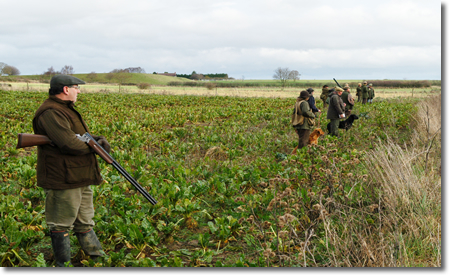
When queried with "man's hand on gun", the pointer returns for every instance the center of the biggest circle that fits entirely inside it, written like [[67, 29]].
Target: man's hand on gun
[[104, 143]]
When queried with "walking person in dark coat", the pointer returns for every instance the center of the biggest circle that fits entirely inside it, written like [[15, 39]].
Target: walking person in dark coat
[[312, 102], [336, 110]]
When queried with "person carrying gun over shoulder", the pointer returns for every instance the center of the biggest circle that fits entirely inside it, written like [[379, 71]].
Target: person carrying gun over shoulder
[[66, 168]]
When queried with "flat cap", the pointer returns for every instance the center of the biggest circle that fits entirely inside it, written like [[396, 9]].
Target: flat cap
[[338, 89], [62, 80]]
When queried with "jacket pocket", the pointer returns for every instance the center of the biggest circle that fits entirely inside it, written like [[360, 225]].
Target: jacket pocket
[[79, 168], [54, 169]]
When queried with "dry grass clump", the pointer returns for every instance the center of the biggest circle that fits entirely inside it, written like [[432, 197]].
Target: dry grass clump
[[408, 179], [403, 228], [216, 153]]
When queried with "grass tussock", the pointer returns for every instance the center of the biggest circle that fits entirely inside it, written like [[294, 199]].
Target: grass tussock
[[403, 228]]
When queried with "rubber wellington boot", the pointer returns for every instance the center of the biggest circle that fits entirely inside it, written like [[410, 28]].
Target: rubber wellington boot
[[90, 244], [60, 241]]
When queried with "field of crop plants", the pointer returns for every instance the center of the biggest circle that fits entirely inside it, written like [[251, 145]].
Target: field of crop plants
[[230, 192]]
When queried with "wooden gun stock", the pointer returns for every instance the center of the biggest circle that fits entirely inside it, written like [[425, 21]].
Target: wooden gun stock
[[29, 140]]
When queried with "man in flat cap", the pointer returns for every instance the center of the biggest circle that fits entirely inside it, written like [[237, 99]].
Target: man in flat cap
[[66, 169], [336, 111]]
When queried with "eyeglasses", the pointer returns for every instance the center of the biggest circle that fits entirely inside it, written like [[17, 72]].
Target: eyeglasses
[[74, 87]]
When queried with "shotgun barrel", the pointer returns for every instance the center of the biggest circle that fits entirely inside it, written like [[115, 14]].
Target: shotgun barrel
[[110, 160], [337, 83], [28, 140]]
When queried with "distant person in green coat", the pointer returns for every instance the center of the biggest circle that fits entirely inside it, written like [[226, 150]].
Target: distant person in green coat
[[370, 93], [359, 92], [303, 119], [365, 93]]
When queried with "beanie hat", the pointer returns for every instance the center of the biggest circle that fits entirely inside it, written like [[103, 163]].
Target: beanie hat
[[304, 94]]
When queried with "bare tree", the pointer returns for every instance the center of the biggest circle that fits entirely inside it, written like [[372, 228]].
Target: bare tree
[[121, 78], [282, 74], [294, 75], [138, 70], [10, 70], [50, 71], [196, 76], [67, 69]]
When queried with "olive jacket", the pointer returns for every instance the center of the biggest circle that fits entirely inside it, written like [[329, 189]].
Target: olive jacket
[[359, 91], [336, 107], [370, 93], [68, 163], [302, 108], [365, 93], [324, 94]]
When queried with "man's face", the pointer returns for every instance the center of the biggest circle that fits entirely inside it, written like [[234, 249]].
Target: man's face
[[73, 92], [339, 92]]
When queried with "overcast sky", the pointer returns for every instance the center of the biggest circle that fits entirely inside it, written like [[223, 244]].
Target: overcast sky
[[321, 39]]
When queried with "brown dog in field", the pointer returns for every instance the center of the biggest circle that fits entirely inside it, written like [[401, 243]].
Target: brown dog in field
[[313, 138]]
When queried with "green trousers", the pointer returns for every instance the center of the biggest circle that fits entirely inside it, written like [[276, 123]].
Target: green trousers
[[69, 209], [334, 127]]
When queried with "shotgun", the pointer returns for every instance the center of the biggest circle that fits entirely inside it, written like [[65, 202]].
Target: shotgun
[[28, 140], [337, 83]]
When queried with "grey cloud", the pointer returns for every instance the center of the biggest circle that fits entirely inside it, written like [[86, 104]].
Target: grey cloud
[[238, 36]]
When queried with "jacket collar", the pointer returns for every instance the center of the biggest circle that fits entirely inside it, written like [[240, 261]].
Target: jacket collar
[[68, 103]]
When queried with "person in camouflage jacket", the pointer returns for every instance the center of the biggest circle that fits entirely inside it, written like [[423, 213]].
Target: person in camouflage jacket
[[324, 95]]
